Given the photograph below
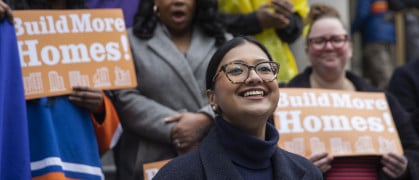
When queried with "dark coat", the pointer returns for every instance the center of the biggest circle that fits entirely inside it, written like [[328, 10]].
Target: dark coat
[[211, 162], [404, 84], [408, 137]]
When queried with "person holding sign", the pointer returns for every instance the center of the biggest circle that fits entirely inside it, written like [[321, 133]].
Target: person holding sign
[[242, 89], [68, 134], [329, 50], [168, 113], [275, 23]]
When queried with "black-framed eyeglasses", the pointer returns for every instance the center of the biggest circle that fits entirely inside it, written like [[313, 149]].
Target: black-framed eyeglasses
[[337, 41], [238, 72]]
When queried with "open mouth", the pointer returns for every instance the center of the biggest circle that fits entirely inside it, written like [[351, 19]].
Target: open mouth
[[253, 93], [178, 16]]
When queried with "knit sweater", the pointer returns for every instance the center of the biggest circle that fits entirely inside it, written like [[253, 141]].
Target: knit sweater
[[250, 155]]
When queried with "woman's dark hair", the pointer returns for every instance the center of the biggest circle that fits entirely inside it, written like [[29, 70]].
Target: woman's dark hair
[[46, 4], [206, 17], [223, 50]]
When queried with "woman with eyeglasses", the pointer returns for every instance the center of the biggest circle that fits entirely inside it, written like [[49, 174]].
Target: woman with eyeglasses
[[167, 114], [329, 50], [243, 91]]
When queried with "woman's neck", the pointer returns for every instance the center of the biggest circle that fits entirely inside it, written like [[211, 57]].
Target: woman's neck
[[339, 83], [254, 125], [182, 41]]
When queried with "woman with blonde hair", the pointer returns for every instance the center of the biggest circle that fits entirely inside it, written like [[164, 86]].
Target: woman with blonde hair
[[329, 50]]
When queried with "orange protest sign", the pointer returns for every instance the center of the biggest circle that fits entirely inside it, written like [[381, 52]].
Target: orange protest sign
[[151, 169], [60, 49], [339, 122]]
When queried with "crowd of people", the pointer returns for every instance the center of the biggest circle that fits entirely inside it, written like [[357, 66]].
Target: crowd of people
[[209, 73]]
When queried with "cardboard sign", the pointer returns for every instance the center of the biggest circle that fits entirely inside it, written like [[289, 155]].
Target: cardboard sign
[[339, 122], [60, 49], [151, 169]]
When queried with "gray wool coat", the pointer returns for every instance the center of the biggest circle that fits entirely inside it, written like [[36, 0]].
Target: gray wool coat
[[168, 82]]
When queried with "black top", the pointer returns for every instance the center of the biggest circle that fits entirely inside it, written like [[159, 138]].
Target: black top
[[211, 161], [250, 155], [408, 137]]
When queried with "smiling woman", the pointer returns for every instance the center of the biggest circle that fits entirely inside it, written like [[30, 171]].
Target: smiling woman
[[329, 51], [241, 140]]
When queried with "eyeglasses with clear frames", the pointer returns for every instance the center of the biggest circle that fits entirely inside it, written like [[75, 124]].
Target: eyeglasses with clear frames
[[337, 41], [238, 72]]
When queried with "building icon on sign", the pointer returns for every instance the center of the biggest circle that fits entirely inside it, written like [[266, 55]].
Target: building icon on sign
[[296, 145], [317, 146], [77, 79], [386, 145], [364, 144], [122, 77], [339, 146], [33, 83], [56, 82], [101, 77]]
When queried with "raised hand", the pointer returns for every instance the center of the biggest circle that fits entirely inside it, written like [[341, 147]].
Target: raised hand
[[322, 161], [88, 98], [278, 18], [394, 165], [189, 130], [5, 12]]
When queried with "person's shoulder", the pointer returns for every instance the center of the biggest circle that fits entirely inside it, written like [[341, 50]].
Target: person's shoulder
[[295, 158], [360, 83], [297, 162], [411, 67], [296, 81], [186, 166], [301, 79]]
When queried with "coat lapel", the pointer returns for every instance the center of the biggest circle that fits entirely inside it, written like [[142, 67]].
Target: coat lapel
[[217, 165], [184, 68], [201, 48], [284, 169]]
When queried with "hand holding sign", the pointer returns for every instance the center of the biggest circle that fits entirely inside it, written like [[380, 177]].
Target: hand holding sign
[[341, 123], [394, 165], [61, 49], [88, 98], [5, 11], [322, 160]]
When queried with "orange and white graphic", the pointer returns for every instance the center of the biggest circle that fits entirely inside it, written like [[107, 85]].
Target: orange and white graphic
[[122, 76], [101, 77], [66, 48], [33, 83], [151, 169], [56, 81], [78, 79], [339, 122]]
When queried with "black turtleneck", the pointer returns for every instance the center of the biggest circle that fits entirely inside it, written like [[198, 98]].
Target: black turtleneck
[[250, 155]]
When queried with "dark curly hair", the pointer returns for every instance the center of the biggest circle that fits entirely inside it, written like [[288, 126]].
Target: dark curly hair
[[206, 17], [45, 4]]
